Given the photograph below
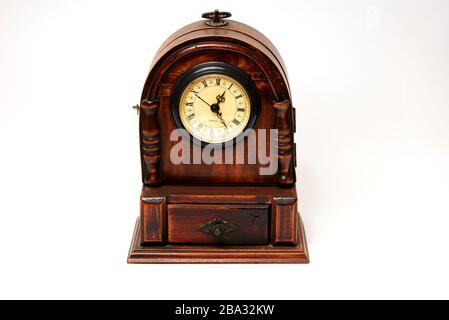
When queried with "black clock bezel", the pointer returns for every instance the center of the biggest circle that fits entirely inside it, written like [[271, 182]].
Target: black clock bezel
[[215, 67]]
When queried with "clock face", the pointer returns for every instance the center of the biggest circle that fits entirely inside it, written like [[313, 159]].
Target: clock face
[[215, 108]]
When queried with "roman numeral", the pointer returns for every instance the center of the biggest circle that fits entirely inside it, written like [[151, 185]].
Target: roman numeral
[[199, 127], [240, 109], [193, 91], [218, 81], [230, 86], [191, 116], [189, 104], [236, 122], [204, 83], [239, 96]]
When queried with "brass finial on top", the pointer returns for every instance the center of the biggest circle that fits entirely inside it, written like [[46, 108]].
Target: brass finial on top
[[215, 18]]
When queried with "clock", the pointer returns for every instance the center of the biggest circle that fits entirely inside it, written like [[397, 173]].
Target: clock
[[217, 150], [214, 102]]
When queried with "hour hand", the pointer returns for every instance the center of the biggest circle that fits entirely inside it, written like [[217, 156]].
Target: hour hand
[[221, 98]]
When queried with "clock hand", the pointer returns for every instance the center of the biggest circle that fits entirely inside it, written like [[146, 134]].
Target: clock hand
[[203, 100], [220, 98], [215, 108], [222, 95], [219, 115]]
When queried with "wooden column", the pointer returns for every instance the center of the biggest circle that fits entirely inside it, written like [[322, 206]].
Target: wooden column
[[150, 142], [285, 143]]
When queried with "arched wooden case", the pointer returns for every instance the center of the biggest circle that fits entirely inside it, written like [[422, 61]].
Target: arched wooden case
[[180, 203]]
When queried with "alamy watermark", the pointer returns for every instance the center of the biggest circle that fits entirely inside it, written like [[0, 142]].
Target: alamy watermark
[[261, 148]]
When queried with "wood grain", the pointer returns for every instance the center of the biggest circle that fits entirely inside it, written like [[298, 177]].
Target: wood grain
[[285, 143], [150, 140], [285, 226], [250, 223], [245, 49], [219, 213], [218, 254], [154, 220]]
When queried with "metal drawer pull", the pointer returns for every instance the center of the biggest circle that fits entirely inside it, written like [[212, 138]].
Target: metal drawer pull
[[217, 227]]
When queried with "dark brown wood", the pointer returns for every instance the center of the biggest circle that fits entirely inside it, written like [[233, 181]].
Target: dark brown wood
[[282, 203], [150, 142], [234, 32], [285, 143], [219, 194], [218, 213], [154, 220], [284, 217], [215, 173], [249, 224], [218, 254], [248, 50]]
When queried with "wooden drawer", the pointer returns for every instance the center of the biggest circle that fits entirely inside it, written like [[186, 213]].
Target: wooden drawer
[[218, 224]]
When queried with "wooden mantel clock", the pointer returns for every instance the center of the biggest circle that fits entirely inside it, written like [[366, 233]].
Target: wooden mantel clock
[[217, 151]]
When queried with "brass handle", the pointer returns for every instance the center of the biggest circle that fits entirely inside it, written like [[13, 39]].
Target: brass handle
[[217, 227], [215, 18]]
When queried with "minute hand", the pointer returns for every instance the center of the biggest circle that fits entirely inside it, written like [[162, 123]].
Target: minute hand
[[202, 100]]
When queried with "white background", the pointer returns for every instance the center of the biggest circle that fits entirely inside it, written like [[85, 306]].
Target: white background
[[370, 81]]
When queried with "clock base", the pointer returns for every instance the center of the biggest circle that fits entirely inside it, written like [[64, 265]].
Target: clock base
[[139, 254]]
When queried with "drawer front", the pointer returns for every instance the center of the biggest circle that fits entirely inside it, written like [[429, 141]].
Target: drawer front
[[218, 224]]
